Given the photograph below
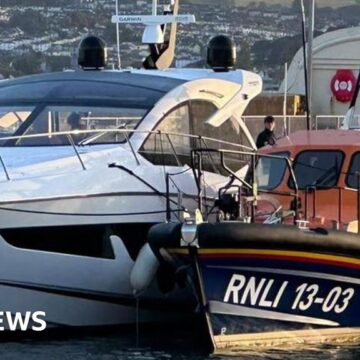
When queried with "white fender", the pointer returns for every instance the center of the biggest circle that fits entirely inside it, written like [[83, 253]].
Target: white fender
[[144, 269]]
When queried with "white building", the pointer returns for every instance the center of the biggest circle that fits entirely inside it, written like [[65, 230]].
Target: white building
[[336, 63]]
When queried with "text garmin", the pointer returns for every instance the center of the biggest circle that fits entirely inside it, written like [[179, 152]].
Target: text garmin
[[17, 321], [256, 292]]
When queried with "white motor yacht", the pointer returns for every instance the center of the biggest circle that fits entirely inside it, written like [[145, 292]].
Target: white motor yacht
[[90, 160]]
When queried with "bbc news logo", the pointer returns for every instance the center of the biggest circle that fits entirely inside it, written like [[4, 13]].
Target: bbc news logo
[[34, 321]]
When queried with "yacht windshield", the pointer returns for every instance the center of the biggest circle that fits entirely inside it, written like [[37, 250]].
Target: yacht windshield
[[40, 125], [11, 118]]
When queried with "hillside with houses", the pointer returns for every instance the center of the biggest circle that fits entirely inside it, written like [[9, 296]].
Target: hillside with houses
[[41, 35]]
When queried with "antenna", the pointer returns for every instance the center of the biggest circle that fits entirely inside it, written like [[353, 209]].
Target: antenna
[[285, 100], [117, 35], [310, 53], [303, 25], [161, 51]]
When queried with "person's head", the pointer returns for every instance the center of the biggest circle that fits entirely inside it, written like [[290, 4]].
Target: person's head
[[269, 123], [74, 121]]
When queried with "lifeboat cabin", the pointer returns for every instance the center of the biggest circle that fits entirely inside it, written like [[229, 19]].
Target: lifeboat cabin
[[326, 178]]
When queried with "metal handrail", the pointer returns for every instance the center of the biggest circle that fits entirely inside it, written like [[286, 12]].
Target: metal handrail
[[290, 118], [339, 119], [197, 153], [135, 131], [4, 168], [72, 143], [313, 190], [69, 135]]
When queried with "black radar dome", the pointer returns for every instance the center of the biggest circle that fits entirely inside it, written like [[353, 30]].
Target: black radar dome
[[92, 53], [221, 53]]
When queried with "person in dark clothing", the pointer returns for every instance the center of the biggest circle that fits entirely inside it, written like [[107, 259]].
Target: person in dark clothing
[[267, 136], [75, 123]]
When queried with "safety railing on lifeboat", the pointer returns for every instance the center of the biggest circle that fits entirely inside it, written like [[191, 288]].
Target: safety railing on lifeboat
[[310, 192], [248, 186]]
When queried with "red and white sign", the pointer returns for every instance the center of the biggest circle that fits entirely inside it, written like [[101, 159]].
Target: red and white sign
[[343, 85]]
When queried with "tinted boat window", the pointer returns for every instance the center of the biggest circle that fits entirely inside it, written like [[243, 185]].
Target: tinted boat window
[[200, 112], [229, 132], [174, 148], [270, 171], [41, 128], [25, 92], [78, 92], [317, 168], [352, 177]]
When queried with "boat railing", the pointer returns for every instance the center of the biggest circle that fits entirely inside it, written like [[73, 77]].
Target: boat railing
[[288, 124], [250, 185], [328, 122], [335, 122], [169, 180], [285, 125], [311, 192], [4, 169], [127, 134]]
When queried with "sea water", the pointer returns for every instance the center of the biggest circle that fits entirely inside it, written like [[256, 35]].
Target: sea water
[[166, 343]]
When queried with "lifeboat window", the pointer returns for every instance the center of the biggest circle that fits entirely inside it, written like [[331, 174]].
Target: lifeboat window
[[319, 169], [354, 171], [171, 146], [269, 172], [85, 125]]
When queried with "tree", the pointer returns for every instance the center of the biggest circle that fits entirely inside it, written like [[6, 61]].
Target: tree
[[126, 34], [296, 6], [110, 33], [58, 63], [30, 21], [79, 20], [244, 56], [274, 52], [28, 63]]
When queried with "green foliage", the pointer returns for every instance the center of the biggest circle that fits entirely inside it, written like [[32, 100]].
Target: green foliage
[[275, 52], [35, 2], [58, 63], [296, 6], [126, 34], [25, 64], [79, 20], [244, 57], [30, 21]]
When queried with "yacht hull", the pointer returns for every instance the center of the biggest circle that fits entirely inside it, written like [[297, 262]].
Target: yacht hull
[[91, 209], [77, 291]]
